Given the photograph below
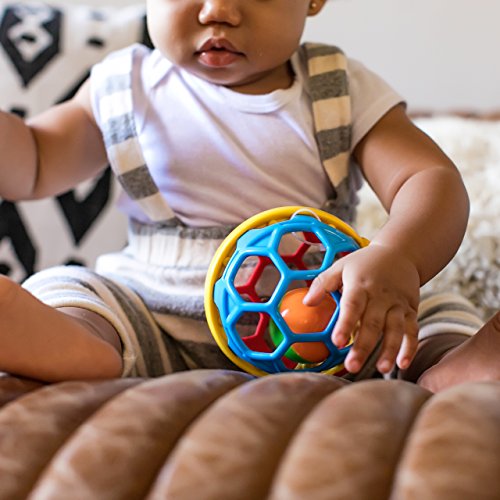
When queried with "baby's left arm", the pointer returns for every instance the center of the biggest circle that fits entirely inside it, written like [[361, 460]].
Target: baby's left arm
[[428, 208]]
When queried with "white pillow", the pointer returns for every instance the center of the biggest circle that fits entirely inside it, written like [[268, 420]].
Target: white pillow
[[46, 52]]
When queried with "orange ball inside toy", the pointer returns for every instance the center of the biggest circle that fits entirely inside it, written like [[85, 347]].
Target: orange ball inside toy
[[307, 319]]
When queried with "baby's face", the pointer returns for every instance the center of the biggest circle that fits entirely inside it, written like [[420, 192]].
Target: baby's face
[[241, 44]]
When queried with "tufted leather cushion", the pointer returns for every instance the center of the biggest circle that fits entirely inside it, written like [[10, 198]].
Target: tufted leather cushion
[[214, 434]]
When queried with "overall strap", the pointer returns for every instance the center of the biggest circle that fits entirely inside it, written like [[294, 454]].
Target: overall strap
[[331, 103], [113, 80]]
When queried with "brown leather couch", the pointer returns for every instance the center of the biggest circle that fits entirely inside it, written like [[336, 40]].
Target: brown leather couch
[[221, 435]]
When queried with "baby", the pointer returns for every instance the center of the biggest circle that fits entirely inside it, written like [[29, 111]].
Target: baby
[[227, 117]]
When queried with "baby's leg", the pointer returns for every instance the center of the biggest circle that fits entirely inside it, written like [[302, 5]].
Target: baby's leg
[[116, 308], [48, 344], [455, 345], [474, 359], [429, 353]]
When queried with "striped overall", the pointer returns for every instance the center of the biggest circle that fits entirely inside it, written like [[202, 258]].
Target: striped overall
[[152, 291]]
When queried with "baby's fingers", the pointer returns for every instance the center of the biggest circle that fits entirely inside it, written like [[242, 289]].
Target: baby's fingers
[[369, 331], [352, 307], [393, 337], [410, 341]]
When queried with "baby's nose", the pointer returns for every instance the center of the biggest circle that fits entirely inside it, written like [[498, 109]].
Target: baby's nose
[[220, 11]]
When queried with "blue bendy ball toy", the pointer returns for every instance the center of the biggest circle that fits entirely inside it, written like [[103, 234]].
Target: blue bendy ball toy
[[255, 267]]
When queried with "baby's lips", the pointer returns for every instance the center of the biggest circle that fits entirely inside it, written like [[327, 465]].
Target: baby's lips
[[217, 43]]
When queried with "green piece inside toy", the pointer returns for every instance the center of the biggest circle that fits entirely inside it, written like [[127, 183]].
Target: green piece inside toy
[[277, 338]]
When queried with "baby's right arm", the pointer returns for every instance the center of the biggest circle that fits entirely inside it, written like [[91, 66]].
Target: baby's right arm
[[52, 152]]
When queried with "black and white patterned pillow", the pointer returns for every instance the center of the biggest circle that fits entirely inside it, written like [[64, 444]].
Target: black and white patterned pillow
[[46, 52]]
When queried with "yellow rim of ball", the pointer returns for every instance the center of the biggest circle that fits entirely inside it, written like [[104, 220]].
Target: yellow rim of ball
[[226, 250]]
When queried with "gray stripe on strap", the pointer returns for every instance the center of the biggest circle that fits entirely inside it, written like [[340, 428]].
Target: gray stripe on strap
[[334, 141], [119, 129], [343, 203], [328, 85], [116, 83], [138, 183]]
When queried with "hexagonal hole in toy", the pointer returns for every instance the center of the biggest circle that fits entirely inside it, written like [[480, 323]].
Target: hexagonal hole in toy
[[256, 279], [301, 250], [252, 328]]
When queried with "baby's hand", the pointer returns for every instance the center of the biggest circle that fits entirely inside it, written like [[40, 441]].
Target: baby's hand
[[380, 296]]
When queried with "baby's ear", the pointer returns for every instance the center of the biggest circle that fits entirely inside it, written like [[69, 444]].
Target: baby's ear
[[315, 7]]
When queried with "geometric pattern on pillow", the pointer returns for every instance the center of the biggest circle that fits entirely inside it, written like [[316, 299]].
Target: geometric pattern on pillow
[[46, 53]]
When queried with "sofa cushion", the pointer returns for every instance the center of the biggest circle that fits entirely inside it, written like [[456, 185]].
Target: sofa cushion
[[46, 52], [216, 434]]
